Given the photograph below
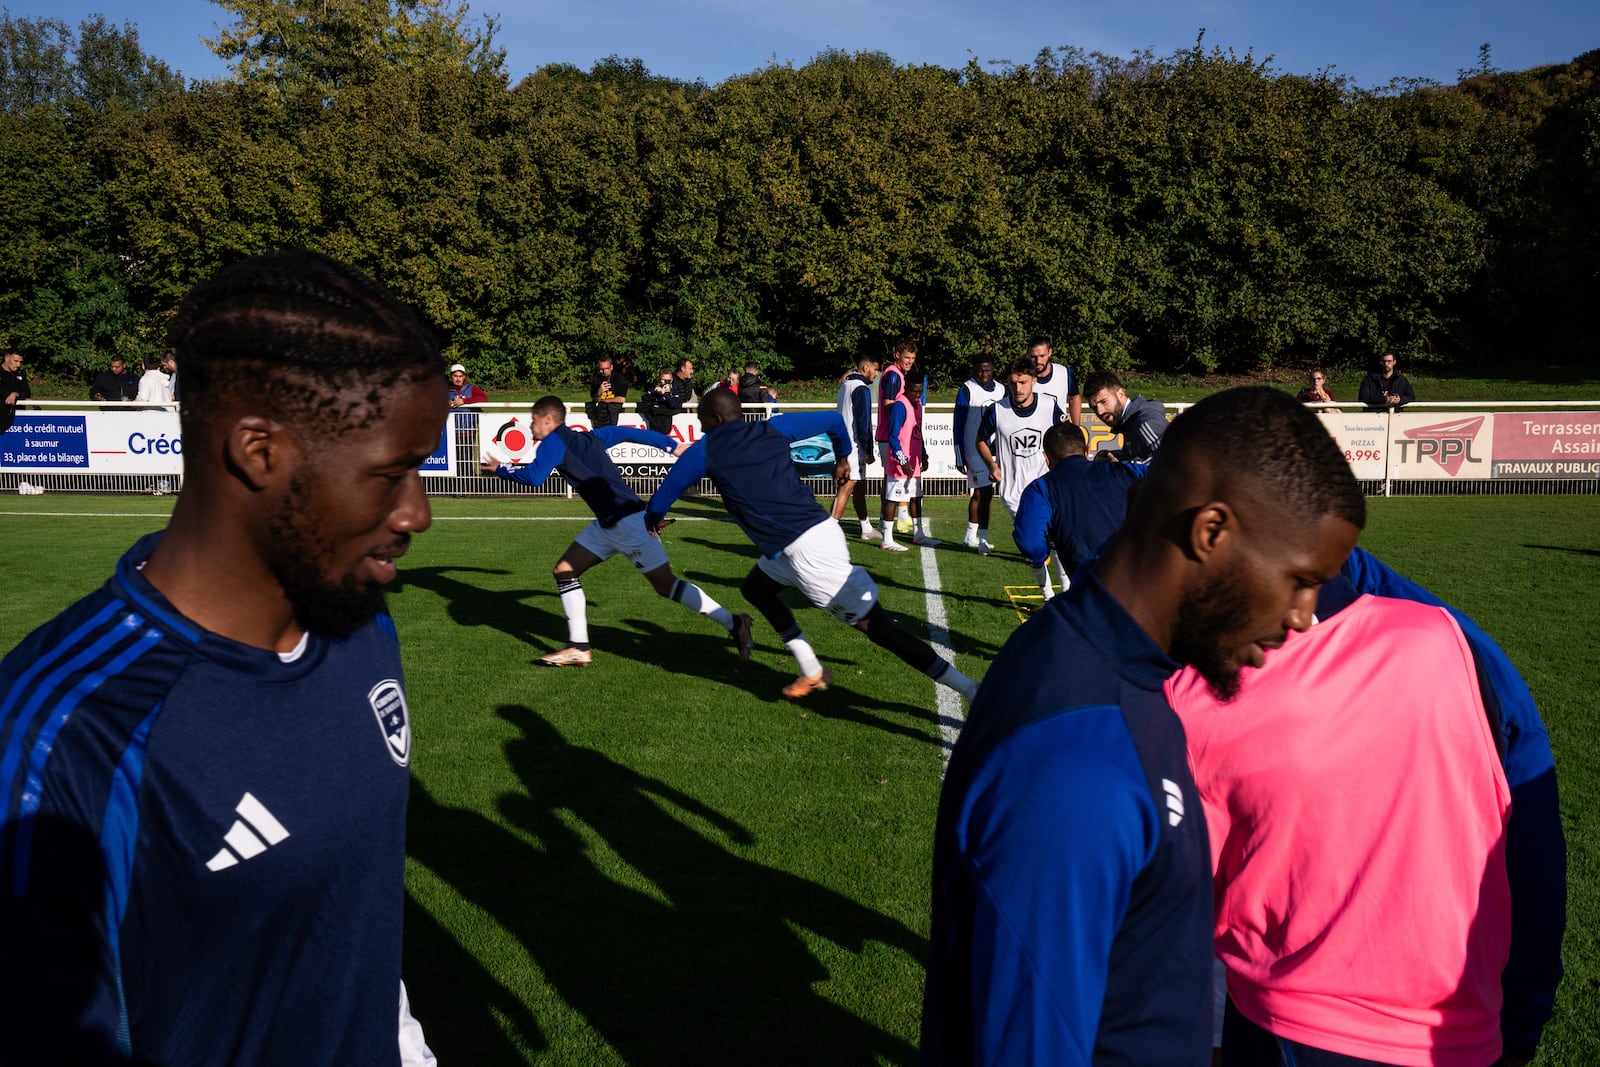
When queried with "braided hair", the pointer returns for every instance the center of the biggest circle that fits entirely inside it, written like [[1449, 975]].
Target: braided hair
[[315, 341]]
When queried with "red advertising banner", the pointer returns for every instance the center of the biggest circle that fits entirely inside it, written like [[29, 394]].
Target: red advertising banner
[[1561, 444]]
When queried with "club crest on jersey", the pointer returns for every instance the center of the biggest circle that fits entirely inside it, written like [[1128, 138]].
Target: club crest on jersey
[[389, 705]]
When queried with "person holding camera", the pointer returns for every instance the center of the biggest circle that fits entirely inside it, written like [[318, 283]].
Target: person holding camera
[[660, 403]]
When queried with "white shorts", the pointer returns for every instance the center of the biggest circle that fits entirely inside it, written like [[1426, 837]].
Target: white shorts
[[818, 564], [627, 538], [902, 489], [855, 459]]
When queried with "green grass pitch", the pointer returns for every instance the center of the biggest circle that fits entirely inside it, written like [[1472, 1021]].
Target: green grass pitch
[[657, 859]]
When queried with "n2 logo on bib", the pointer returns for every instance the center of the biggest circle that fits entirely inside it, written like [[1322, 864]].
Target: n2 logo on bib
[[1026, 442]]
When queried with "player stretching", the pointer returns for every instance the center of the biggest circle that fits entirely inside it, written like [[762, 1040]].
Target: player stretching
[[749, 464], [618, 525]]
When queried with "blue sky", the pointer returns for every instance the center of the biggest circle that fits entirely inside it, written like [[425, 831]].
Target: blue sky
[[1369, 41]]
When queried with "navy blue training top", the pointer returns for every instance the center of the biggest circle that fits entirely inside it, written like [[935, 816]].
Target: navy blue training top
[[582, 460], [1073, 508], [750, 465], [1071, 873], [202, 848]]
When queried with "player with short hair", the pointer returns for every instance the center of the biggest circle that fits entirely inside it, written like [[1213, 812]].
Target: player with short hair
[[1010, 439], [855, 408], [891, 387], [618, 527], [1072, 509], [800, 547], [1342, 784], [902, 470], [1141, 422], [975, 395], [1056, 379], [1072, 911], [202, 842]]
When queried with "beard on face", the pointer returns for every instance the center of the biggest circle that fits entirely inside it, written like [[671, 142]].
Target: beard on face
[[297, 553], [1205, 617]]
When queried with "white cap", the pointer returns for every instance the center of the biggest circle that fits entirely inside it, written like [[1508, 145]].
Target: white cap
[[457, 367]]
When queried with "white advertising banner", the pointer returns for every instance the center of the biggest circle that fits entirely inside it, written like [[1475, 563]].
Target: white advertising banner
[[1440, 447], [1363, 437], [142, 441]]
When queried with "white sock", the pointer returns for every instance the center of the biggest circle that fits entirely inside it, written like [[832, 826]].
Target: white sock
[[866, 526], [1061, 571], [888, 531], [972, 532], [1042, 576], [576, 605], [944, 672], [694, 598], [800, 648]]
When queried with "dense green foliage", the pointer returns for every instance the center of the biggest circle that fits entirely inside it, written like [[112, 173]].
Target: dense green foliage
[[1198, 212]]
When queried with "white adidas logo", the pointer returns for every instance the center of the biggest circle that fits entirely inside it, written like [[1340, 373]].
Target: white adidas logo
[[1174, 801], [242, 840]]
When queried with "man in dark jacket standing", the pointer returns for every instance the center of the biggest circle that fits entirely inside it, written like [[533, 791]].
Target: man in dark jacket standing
[[659, 403], [118, 383], [608, 390], [1386, 388], [13, 387], [1141, 422]]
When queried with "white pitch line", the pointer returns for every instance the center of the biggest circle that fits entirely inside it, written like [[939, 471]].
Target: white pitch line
[[948, 707]]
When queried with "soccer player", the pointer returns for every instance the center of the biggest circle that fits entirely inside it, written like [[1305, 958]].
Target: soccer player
[[1342, 784], [1071, 510], [1056, 379], [891, 387], [1010, 440], [749, 464], [902, 470], [617, 529], [1071, 880], [1141, 422], [202, 842], [976, 394], [855, 408]]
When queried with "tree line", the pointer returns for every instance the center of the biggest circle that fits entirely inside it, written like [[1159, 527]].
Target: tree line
[[1195, 212]]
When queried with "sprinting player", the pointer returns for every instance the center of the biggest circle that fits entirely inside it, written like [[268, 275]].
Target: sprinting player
[[750, 466], [1011, 434], [1071, 510], [902, 471], [1071, 880], [1342, 785], [1056, 379], [202, 842], [855, 408], [617, 529], [1141, 422], [976, 394]]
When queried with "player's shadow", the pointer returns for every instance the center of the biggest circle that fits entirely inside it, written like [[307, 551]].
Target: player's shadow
[[1567, 549], [712, 657], [499, 609], [626, 895]]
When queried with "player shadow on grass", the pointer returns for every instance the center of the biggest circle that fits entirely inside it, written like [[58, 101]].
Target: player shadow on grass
[[500, 609], [626, 895], [712, 659]]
